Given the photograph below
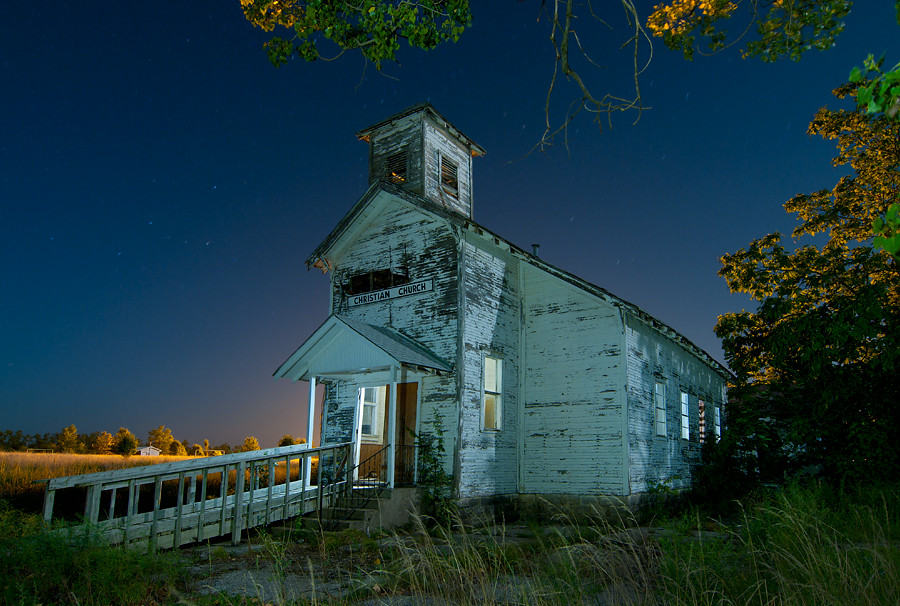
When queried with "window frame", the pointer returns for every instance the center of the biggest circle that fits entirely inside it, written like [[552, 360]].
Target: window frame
[[374, 404], [372, 281], [496, 393], [701, 424], [685, 416], [717, 422], [449, 178], [660, 408], [396, 166]]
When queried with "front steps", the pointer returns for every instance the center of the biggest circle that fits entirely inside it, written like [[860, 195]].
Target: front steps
[[389, 509]]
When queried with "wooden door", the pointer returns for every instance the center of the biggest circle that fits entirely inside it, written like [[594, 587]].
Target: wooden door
[[373, 467], [405, 456]]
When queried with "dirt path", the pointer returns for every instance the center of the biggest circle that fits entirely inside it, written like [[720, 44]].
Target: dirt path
[[347, 568]]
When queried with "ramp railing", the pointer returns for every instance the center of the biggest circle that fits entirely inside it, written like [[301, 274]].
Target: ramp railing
[[173, 504]]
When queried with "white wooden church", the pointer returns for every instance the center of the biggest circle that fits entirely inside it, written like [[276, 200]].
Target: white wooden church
[[543, 383]]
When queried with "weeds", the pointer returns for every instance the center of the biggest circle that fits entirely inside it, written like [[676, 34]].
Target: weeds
[[38, 566], [797, 546], [802, 545]]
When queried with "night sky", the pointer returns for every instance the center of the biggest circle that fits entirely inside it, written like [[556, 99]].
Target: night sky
[[161, 186]]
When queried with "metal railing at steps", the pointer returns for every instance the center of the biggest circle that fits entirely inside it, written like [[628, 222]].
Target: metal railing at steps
[[369, 482], [172, 504]]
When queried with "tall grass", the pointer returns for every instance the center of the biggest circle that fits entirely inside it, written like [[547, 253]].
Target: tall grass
[[810, 545], [802, 545], [42, 567], [555, 563], [18, 471], [797, 546]]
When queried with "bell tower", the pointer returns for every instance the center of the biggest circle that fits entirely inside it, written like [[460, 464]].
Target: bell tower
[[419, 150]]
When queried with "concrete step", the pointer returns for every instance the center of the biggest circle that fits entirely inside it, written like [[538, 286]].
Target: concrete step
[[390, 509]]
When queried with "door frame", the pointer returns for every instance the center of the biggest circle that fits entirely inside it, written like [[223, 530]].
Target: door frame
[[390, 429]]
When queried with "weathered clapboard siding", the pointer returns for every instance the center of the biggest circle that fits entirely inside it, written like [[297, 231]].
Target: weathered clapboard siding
[[401, 137], [405, 239], [573, 416], [425, 136], [578, 363], [656, 459], [339, 412], [439, 402], [487, 458], [437, 144]]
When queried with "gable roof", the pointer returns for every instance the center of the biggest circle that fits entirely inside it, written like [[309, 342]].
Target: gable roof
[[382, 191], [428, 110], [379, 193], [340, 344]]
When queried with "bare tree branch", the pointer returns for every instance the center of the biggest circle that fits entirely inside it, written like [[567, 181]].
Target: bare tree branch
[[562, 32]]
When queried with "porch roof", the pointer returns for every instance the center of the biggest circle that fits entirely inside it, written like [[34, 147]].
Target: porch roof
[[342, 346]]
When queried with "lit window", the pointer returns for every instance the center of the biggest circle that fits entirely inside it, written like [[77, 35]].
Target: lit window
[[492, 403], [685, 417], [660, 409], [395, 167], [449, 177], [701, 406]]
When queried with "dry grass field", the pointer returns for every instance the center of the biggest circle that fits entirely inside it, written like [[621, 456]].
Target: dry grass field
[[19, 470]]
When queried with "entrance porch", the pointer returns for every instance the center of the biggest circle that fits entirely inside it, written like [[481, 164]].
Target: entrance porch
[[374, 385]]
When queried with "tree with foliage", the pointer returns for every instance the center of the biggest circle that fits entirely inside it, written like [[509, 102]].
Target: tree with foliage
[[376, 28], [176, 449], [288, 440], [373, 27], [250, 443], [816, 361], [161, 437], [124, 442], [86, 441], [43, 441], [784, 28], [67, 439], [13, 440], [103, 443]]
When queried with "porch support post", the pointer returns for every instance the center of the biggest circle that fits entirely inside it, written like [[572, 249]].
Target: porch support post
[[392, 428], [310, 422]]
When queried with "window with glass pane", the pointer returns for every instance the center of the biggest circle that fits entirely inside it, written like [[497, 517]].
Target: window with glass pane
[[492, 404], [685, 417], [370, 406], [660, 409]]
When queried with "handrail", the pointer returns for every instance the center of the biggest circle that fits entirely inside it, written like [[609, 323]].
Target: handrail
[[369, 482], [191, 508], [368, 488], [197, 464]]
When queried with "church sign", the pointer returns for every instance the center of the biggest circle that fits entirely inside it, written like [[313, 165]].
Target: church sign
[[392, 293]]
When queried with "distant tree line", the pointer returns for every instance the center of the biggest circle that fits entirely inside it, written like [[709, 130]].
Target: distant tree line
[[123, 442]]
